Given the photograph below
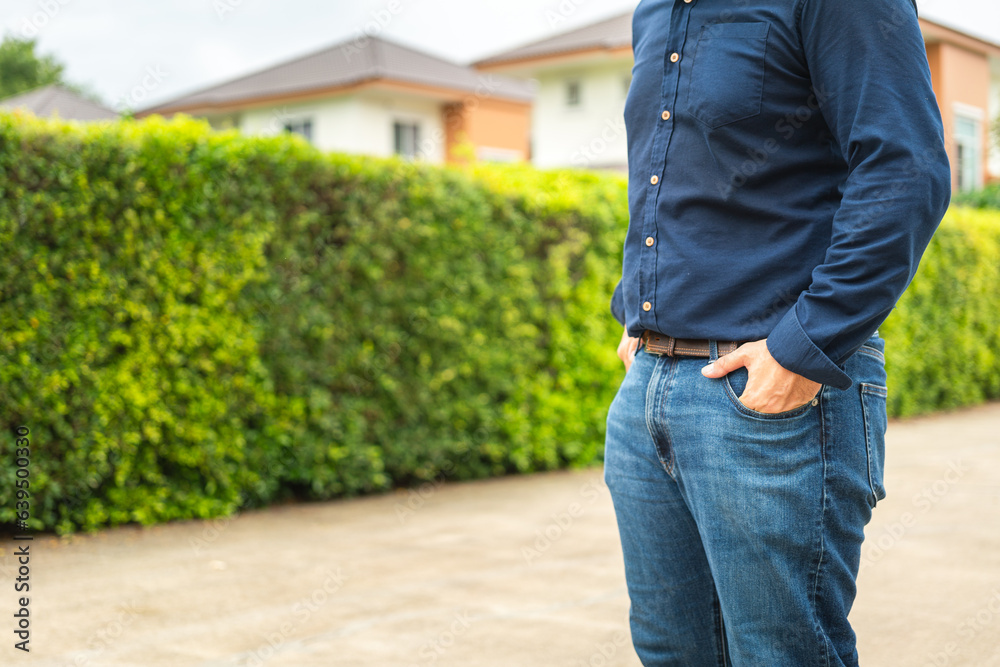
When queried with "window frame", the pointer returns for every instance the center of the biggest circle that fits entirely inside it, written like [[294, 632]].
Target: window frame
[[302, 126], [573, 91], [399, 126], [968, 141]]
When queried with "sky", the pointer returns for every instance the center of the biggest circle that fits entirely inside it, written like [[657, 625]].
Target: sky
[[134, 54]]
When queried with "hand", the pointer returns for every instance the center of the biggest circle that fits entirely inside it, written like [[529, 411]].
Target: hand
[[771, 388], [627, 348]]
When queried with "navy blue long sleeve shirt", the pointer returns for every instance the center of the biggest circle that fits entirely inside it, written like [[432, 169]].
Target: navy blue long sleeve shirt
[[786, 172]]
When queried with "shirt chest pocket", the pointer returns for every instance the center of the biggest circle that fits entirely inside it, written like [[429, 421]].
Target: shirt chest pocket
[[727, 73]]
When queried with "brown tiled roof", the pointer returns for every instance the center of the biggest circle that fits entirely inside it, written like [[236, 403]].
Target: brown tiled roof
[[344, 64], [616, 32], [610, 33], [54, 99]]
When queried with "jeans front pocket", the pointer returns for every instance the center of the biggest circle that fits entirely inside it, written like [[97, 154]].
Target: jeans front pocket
[[736, 382], [727, 73], [873, 405]]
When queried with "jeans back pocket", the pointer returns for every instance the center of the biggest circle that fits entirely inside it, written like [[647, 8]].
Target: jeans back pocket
[[873, 404], [727, 73]]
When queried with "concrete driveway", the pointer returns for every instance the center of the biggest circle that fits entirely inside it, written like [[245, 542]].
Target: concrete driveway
[[513, 572]]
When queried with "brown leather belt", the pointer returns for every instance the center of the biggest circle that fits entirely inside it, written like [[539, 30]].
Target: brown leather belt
[[657, 343]]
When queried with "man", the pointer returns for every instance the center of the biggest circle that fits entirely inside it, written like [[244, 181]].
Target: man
[[786, 173]]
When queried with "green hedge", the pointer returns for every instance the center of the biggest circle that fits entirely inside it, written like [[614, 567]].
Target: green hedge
[[193, 322], [124, 348], [197, 321], [988, 197], [943, 338]]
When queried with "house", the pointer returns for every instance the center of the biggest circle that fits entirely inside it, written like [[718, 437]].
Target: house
[[965, 71], [583, 77], [56, 100], [377, 97]]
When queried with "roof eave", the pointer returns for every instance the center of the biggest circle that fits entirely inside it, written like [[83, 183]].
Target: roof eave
[[553, 59], [934, 31], [203, 108]]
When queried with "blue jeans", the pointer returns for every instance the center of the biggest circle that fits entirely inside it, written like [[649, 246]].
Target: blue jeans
[[742, 531]]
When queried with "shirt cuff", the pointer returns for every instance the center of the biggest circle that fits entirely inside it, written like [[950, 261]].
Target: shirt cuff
[[795, 351], [618, 304]]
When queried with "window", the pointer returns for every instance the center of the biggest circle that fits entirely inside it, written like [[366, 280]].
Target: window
[[573, 93], [968, 150], [302, 127], [407, 139]]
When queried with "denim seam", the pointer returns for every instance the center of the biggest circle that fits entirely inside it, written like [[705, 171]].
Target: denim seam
[[661, 411], [653, 381], [816, 592], [662, 397], [881, 392], [660, 378], [871, 352], [720, 623]]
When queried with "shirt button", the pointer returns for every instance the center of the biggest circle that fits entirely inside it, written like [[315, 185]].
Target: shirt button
[[665, 115], [655, 179], [647, 306], [649, 240], [687, 2], [674, 57]]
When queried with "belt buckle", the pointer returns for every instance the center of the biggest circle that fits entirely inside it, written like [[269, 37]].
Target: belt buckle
[[657, 343]]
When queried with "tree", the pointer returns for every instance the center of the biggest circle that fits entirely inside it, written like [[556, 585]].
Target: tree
[[21, 69]]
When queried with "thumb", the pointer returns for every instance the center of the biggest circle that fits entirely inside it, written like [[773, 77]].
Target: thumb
[[633, 345], [725, 364]]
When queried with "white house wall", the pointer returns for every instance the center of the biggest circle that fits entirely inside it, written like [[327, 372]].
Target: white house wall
[[591, 135], [381, 112], [360, 123], [328, 118]]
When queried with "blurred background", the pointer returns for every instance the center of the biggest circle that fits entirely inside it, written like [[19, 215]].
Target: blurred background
[[305, 325]]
